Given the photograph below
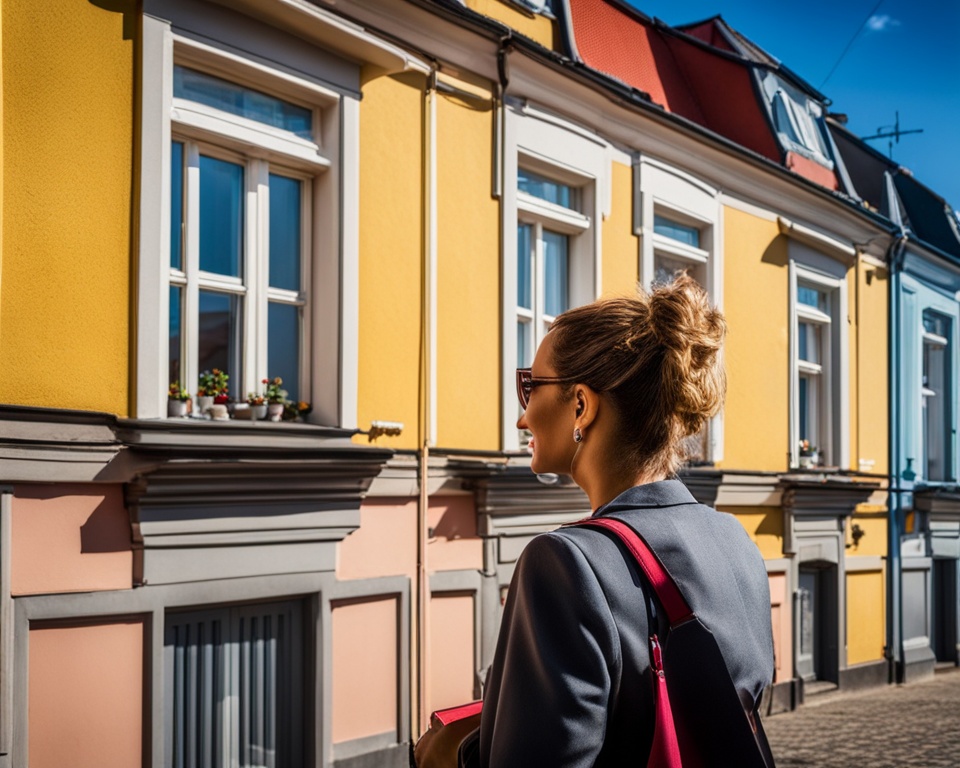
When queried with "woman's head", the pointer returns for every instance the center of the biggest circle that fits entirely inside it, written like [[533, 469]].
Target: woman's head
[[653, 359]]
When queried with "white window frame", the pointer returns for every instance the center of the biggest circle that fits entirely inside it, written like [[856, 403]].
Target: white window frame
[[926, 393], [330, 169], [558, 149], [253, 287], [918, 298], [807, 267], [542, 215], [661, 189]]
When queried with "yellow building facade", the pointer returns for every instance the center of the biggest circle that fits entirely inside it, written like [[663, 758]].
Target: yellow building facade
[[386, 203]]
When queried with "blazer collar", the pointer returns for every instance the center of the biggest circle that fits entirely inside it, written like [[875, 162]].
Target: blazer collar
[[665, 493]]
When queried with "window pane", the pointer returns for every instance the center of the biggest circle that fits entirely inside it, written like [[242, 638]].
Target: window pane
[[243, 102], [176, 205], [546, 189], [682, 233], [555, 273], [524, 344], [176, 338], [666, 269], [283, 346], [937, 403], [221, 217], [285, 230], [525, 266], [812, 297], [219, 336], [803, 423], [809, 342]]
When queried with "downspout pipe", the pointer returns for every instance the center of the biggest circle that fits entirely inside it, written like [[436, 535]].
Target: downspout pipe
[[894, 649], [421, 646]]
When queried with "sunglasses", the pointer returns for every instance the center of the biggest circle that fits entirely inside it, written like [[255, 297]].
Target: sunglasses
[[526, 382]]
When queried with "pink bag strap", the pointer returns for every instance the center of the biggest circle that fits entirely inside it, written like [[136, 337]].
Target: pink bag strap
[[669, 595], [665, 749]]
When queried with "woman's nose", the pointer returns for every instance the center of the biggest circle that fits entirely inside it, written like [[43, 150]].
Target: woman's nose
[[522, 421]]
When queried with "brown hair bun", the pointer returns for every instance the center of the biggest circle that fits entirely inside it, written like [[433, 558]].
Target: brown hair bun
[[656, 356]]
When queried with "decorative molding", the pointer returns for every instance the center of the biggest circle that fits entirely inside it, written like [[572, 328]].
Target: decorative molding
[[941, 503], [244, 508]]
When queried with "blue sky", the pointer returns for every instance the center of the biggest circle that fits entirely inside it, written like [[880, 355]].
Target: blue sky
[[906, 58]]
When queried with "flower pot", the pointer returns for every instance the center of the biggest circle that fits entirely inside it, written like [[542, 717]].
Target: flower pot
[[176, 409], [809, 460], [275, 411], [259, 411], [203, 403]]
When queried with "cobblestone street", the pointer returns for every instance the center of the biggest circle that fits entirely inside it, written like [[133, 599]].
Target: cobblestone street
[[913, 725]]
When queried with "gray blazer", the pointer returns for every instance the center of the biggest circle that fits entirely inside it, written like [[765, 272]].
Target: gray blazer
[[570, 683]]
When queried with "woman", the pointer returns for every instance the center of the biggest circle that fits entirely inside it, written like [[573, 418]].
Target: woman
[[615, 388]]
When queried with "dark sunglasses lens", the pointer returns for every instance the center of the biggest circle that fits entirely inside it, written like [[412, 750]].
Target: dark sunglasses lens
[[524, 386]]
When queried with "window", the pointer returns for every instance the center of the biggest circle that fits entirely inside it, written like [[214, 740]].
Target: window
[[935, 397], [234, 687], [799, 123], [543, 257], [676, 216], [676, 249], [813, 350], [554, 182], [240, 235], [819, 364]]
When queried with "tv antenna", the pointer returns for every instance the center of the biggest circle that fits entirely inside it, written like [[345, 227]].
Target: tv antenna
[[892, 133]]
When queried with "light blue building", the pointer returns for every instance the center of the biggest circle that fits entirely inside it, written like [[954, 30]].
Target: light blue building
[[924, 411]]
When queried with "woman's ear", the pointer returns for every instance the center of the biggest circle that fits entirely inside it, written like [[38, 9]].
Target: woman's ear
[[586, 403]]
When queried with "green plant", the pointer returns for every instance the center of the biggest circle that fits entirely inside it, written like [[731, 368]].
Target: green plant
[[255, 399], [176, 393], [806, 449], [273, 393]]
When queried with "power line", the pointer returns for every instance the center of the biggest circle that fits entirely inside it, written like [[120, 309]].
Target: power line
[[855, 36]]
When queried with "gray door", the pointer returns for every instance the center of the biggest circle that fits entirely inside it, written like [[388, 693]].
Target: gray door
[[234, 687], [944, 617]]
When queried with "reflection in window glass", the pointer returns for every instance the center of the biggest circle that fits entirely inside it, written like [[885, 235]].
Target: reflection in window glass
[[240, 101], [221, 216], [667, 269], [524, 267], [219, 334], [556, 294], [812, 297], [176, 205], [524, 344], [285, 233], [682, 233], [809, 342], [176, 337], [804, 410], [283, 346], [546, 189]]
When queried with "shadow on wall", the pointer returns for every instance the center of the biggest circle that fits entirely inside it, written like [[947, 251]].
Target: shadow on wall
[[106, 530], [776, 252], [455, 525], [129, 10]]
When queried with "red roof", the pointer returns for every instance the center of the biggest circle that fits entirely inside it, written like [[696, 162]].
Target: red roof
[[703, 83], [710, 33]]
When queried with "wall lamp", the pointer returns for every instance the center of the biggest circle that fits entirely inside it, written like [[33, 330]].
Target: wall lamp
[[383, 429]]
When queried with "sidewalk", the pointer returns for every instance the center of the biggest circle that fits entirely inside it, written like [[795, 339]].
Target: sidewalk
[[913, 725]]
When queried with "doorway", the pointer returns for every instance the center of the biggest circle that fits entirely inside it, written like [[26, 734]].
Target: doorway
[[816, 623], [944, 604]]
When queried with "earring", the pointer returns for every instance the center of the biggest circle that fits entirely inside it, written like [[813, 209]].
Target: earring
[[577, 435]]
